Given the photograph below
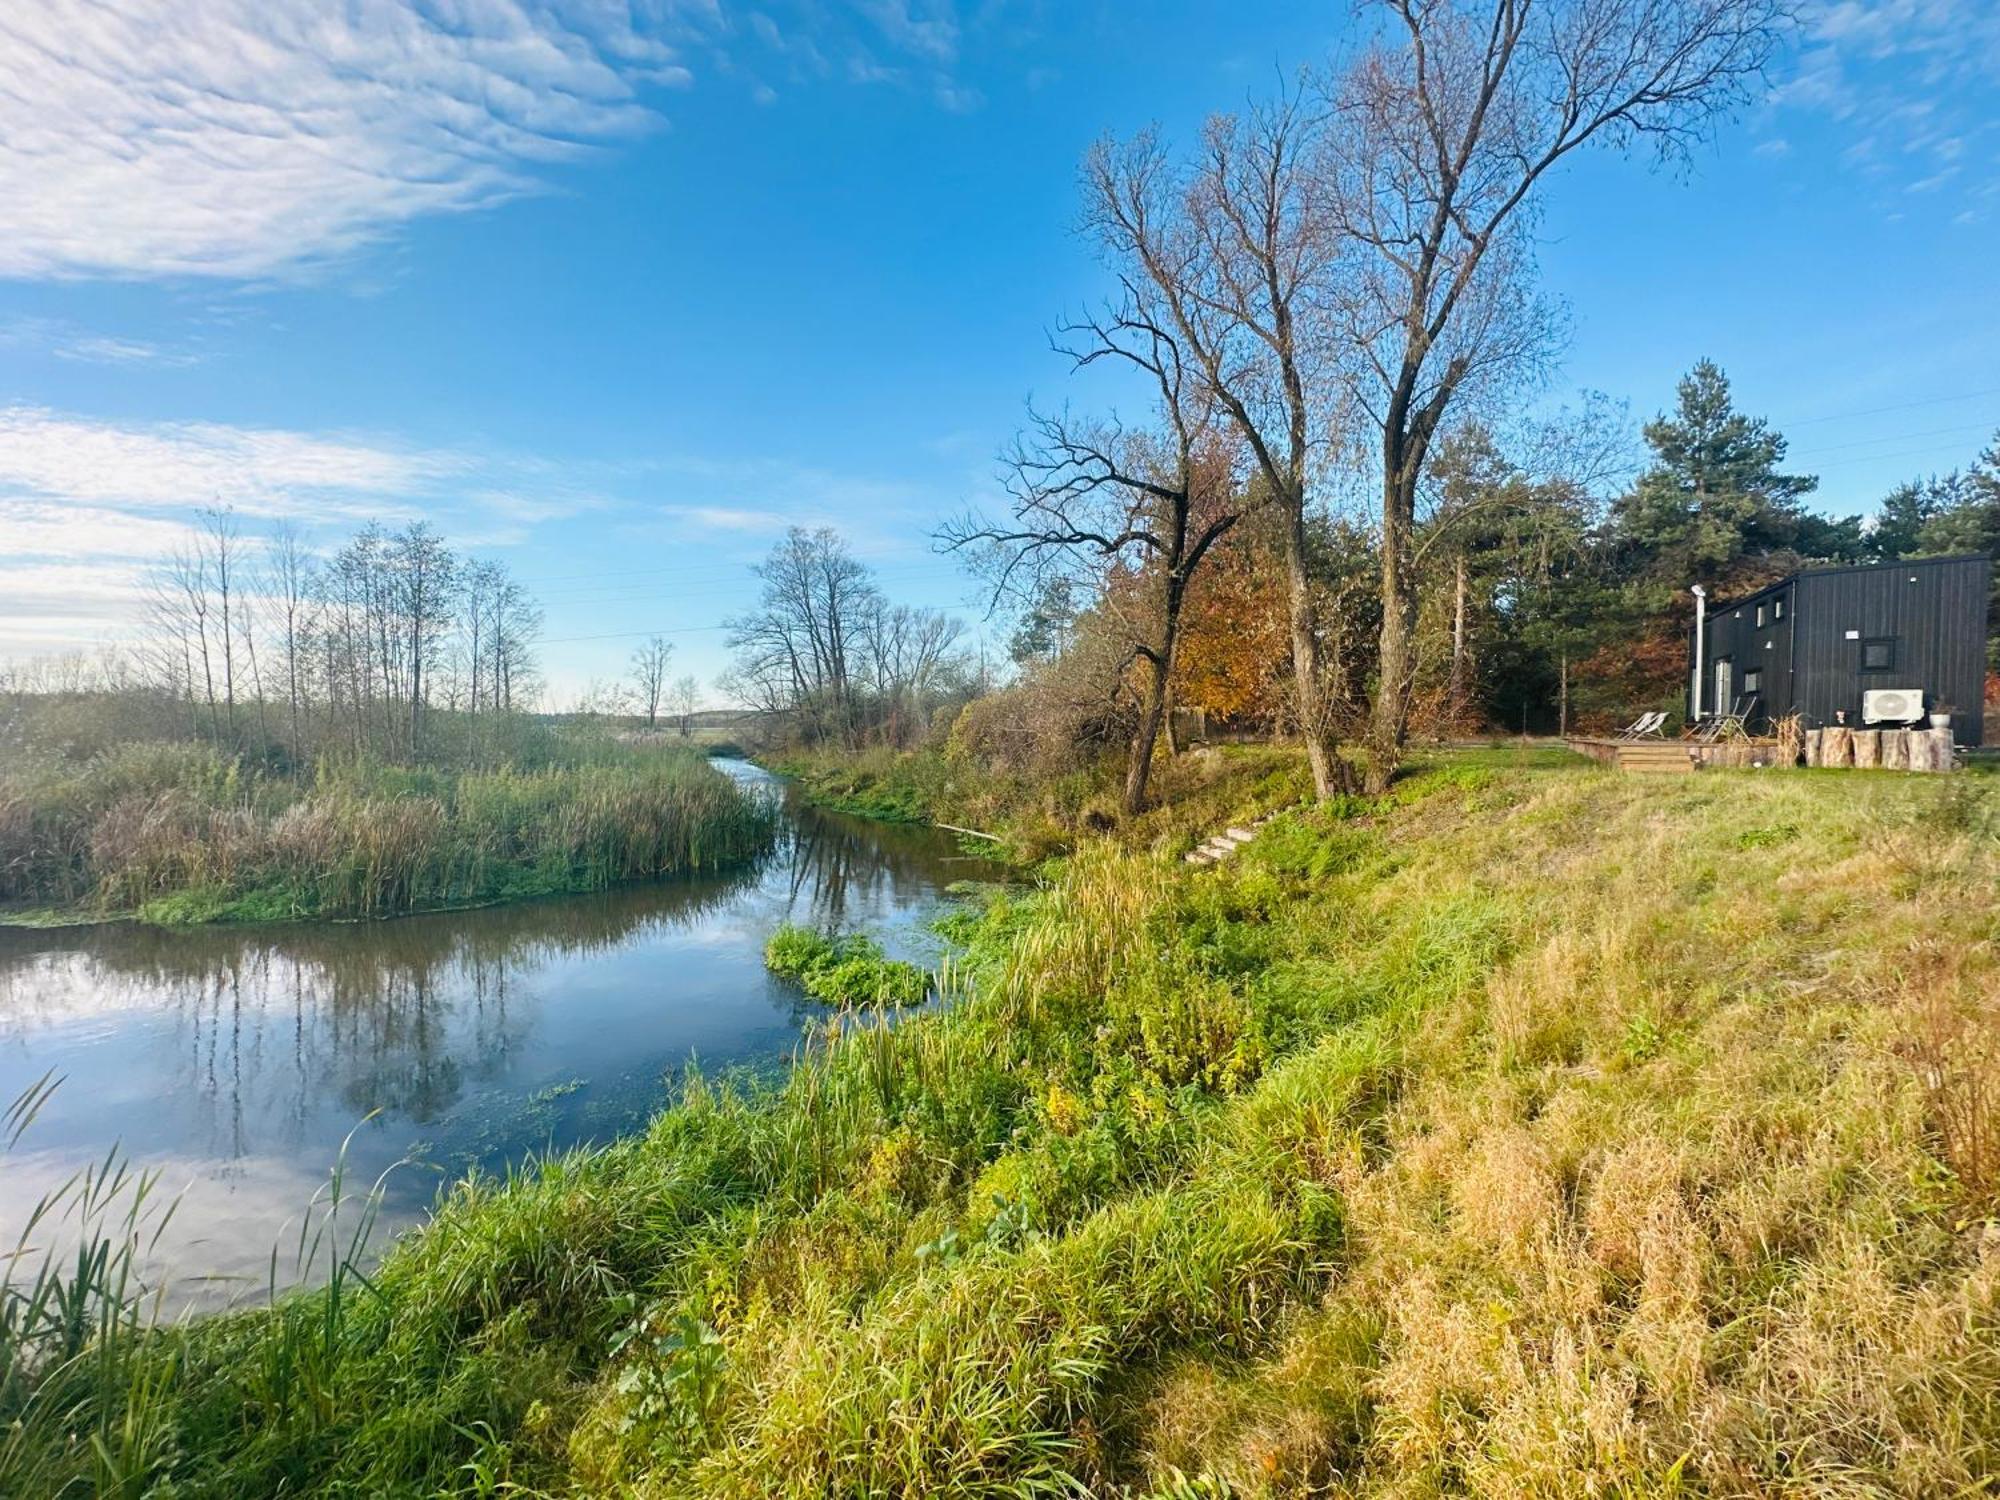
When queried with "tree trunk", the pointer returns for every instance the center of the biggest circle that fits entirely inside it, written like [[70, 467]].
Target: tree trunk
[[1455, 693], [1389, 723], [1329, 772], [1139, 770]]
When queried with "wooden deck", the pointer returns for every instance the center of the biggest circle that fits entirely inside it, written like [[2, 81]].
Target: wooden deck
[[1864, 749], [1648, 757]]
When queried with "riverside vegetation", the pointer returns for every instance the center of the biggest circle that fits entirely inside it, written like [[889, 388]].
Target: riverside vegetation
[[1530, 1130], [850, 969], [188, 833]]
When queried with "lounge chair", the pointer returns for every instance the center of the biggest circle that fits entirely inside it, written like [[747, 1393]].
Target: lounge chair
[[1633, 730], [1729, 726], [1641, 727]]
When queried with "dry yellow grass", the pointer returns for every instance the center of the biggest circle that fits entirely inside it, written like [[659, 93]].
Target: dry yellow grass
[[1690, 1196]]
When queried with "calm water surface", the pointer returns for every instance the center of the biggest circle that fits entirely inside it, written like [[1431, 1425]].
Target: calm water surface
[[234, 1061]]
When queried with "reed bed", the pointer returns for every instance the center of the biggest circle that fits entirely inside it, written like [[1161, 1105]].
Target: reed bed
[[176, 833], [1530, 1132]]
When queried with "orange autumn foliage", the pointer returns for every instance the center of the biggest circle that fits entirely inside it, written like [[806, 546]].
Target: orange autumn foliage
[[1235, 640]]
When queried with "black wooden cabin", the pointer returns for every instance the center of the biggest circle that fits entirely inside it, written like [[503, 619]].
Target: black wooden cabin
[[1813, 643]]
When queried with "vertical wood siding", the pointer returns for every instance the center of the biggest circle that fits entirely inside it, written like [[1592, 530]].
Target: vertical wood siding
[[1934, 610]]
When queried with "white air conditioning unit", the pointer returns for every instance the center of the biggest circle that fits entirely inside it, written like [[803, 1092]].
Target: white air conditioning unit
[[1892, 705]]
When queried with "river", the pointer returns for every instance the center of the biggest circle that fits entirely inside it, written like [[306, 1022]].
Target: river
[[234, 1061]]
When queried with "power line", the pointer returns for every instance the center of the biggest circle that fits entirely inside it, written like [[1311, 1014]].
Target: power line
[[1897, 437], [1875, 411], [712, 590], [619, 635], [1873, 458], [690, 572]]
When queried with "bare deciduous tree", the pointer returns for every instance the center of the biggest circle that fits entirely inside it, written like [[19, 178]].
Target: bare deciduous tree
[[686, 699], [649, 676], [1236, 252], [1153, 504], [826, 654], [1439, 135]]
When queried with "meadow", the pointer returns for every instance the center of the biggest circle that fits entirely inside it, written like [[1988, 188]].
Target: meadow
[[1533, 1130], [176, 833]]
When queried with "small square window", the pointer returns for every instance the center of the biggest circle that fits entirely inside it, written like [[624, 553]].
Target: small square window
[[1753, 680], [1878, 655]]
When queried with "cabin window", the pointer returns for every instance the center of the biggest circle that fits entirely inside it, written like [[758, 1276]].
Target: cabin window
[[1879, 655], [1753, 680], [1778, 608], [1760, 617]]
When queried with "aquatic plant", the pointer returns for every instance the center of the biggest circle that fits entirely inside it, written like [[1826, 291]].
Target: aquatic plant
[[849, 970]]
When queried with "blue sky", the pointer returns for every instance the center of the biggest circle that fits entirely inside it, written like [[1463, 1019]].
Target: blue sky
[[614, 291]]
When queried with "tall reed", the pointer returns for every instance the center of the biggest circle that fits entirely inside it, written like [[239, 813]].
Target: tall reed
[[181, 834]]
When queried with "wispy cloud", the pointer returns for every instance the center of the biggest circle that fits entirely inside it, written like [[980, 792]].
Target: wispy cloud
[[259, 471], [253, 139], [66, 341], [1913, 82], [88, 506], [246, 138], [731, 518]]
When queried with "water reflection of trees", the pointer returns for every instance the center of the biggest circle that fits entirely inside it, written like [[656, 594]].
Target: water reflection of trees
[[255, 1031], [838, 865], [265, 1037]]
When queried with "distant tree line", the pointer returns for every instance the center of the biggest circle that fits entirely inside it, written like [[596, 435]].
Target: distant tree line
[[829, 660], [267, 645]]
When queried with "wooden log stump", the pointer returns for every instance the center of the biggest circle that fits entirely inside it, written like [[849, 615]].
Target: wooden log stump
[[1867, 749], [1813, 752], [1895, 749], [1936, 751], [1837, 746]]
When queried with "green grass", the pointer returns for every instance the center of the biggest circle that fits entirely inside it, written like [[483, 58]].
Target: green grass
[[849, 970], [178, 834], [886, 785], [1532, 1131]]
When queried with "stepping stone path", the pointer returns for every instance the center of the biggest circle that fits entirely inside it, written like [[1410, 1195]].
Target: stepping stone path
[[1220, 846]]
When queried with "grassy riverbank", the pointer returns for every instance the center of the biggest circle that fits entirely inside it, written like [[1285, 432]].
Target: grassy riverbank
[[1535, 1131], [1036, 817], [179, 833]]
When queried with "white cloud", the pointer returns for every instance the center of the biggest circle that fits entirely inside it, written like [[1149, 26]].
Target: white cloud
[[88, 507], [925, 28], [64, 340], [64, 530], [731, 518], [1915, 81], [100, 349], [258, 471], [263, 138], [248, 137]]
